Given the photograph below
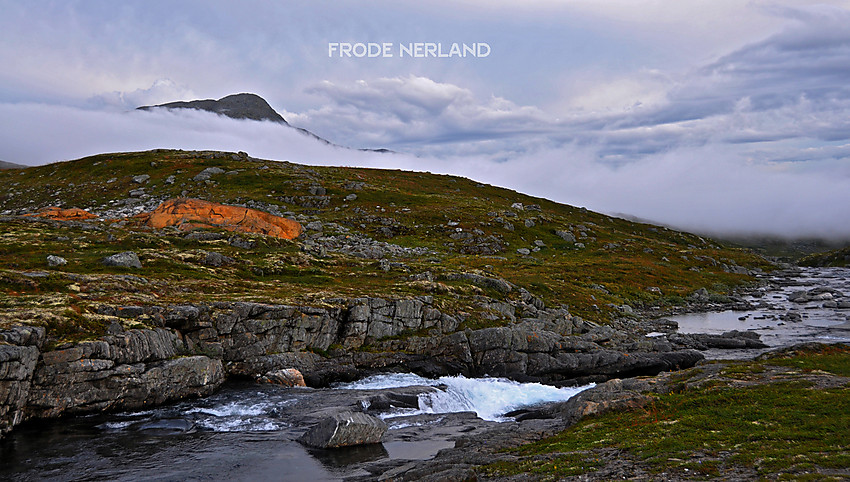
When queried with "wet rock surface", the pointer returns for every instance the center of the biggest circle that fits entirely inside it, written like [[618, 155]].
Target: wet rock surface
[[345, 429]]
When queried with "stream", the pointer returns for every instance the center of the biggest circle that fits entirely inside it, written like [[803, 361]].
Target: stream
[[247, 431], [821, 316]]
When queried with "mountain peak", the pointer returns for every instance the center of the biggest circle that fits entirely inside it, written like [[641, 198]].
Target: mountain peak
[[245, 106], [237, 106]]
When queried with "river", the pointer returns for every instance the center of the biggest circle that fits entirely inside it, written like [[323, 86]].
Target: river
[[247, 431]]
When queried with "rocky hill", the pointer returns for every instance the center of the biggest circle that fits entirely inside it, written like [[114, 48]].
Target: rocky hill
[[834, 258], [10, 165], [242, 106], [236, 106], [130, 291]]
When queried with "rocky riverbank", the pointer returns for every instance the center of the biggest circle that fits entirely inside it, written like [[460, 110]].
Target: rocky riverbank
[[492, 452], [191, 349]]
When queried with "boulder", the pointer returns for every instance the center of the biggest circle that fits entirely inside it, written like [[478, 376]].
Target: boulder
[[701, 295], [288, 377], [188, 214], [566, 236], [207, 173], [59, 214], [345, 429], [127, 259], [54, 261], [497, 284], [613, 395], [217, 259]]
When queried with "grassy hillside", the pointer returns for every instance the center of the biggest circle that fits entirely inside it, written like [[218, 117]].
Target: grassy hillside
[[837, 257], [458, 225]]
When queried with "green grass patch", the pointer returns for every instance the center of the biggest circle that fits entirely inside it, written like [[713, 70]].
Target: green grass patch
[[779, 429], [561, 465], [829, 358], [73, 326]]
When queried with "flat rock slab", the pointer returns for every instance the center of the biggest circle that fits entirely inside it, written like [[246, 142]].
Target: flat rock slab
[[345, 429], [188, 214]]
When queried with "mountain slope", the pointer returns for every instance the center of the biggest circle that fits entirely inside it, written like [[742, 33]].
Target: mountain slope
[[368, 232], [834, 258], [11, 165]]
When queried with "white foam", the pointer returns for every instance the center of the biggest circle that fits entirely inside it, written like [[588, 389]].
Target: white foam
[[116, 425], [389, 380], [489, 398], [231, 409]]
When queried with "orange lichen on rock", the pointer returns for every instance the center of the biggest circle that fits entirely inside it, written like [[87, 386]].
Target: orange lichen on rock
[[195, 213], [59, 214]]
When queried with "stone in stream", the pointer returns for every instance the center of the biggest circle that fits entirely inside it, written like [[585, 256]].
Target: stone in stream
[[345, 429]]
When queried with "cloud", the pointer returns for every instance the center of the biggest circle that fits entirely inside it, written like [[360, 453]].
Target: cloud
[[791, 85], [733, 119], [161, 92], [36, 134], [708, 189], [411, 111]]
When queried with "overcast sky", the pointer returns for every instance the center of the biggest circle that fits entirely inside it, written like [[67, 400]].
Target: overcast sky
[[719, 116]]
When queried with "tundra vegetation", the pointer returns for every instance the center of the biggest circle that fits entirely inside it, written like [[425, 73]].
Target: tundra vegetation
[[368, 232]]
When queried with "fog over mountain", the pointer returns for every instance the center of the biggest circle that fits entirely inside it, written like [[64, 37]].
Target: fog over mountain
[[714, 116], [677, 188]]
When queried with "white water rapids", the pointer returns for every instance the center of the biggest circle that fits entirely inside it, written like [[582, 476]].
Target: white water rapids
[[489, 398]]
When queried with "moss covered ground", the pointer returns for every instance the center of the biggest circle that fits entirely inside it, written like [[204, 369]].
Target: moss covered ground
[[783, 418], [613, 261]]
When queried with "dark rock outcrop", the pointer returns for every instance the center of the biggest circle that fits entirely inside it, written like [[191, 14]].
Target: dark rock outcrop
[[730, 340], [134, 369], [241, 106], [237, 106], [17, 363]]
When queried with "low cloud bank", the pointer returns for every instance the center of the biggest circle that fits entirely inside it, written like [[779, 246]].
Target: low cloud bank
[[707, 188]]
